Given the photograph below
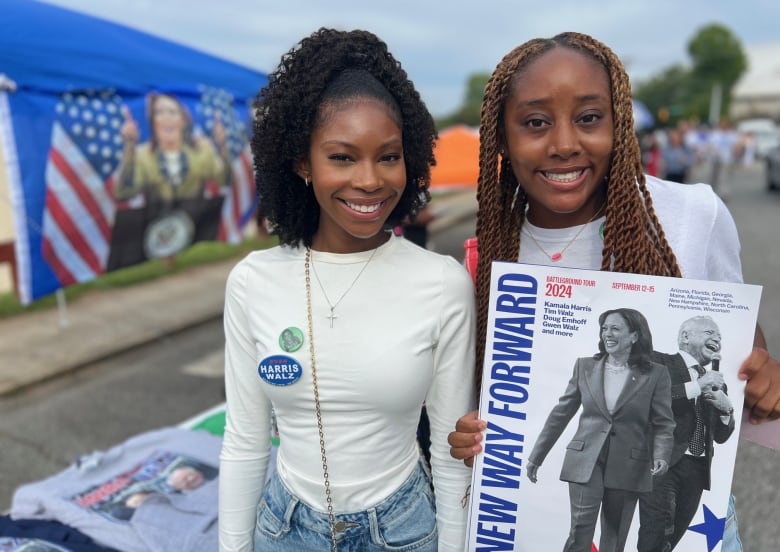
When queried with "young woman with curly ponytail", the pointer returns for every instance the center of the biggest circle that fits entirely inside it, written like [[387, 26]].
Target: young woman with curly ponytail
[[344, 329]]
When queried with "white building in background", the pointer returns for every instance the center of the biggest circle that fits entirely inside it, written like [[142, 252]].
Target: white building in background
[[757, 93]]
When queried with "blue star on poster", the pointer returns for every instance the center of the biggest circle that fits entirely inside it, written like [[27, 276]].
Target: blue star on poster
[[712, 528]]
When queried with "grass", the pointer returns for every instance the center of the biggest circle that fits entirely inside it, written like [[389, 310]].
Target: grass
[[199, 254]]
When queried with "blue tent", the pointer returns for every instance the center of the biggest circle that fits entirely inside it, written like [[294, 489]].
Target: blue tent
[[57, 65]]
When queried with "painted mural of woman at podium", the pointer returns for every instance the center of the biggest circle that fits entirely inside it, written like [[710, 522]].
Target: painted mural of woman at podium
[[173, 163], [176, 177]]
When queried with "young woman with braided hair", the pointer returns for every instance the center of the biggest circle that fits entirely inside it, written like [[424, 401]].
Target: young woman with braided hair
[[561, 183], [344, 329]]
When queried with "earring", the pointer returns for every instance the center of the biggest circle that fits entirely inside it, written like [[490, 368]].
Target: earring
[[514, 198], [306, 180]]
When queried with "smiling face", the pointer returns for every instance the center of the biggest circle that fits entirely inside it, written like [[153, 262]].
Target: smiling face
[[558, 133], [356, 167], [701, 339], [168, 122], [617, 336]]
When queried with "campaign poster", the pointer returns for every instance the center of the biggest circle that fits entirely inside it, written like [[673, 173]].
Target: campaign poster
[[606, 396]]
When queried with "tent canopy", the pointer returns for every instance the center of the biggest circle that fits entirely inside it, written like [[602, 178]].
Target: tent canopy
[[48, 48], [52, 57], [457, 159]]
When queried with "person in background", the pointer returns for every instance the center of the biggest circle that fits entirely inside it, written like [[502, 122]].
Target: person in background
[[343, 147], [745, 149], [416, 230], [652, 157], [723, 140], [677, 158], [561, 183]]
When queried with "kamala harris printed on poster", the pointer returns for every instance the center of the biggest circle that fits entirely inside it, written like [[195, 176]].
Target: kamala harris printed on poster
[[581, 399]]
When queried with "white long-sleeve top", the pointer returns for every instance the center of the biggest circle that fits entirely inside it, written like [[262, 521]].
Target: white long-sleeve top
[[404, 335]]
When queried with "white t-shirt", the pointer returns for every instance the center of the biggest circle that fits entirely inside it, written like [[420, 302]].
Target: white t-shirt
[[697, 224], [404, 335], [95, 495]]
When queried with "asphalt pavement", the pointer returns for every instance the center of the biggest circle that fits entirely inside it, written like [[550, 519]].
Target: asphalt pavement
[[42, 345]]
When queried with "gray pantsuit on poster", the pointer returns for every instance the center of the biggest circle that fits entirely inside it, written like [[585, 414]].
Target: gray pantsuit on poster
[[609, 459]]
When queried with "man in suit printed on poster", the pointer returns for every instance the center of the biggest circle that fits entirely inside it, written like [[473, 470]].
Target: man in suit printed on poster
[[703, 415]]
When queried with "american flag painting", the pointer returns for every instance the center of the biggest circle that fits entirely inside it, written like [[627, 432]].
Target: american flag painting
[[239, 204], [60, 125], [79, 211], [85, 152]]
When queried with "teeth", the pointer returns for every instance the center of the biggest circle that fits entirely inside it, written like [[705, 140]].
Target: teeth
[[563, 177], [363, 208]]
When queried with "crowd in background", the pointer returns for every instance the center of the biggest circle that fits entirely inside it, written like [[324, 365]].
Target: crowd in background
[[674, 153]]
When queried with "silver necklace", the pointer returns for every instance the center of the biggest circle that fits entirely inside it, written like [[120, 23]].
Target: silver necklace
[[332, 316], [557, 256]]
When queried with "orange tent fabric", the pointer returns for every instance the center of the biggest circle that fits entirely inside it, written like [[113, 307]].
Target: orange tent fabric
[[457, 159]]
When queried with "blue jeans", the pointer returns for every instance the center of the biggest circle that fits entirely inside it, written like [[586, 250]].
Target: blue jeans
[[404, 521], [731, 540]]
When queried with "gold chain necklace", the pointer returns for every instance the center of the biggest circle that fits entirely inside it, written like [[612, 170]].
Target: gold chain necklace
[[335, 527], [555, 257], [333, 306]]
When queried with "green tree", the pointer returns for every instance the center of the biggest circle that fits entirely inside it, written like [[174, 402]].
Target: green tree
[[469, 112], [667, 90], [717, 55], [718, 59]]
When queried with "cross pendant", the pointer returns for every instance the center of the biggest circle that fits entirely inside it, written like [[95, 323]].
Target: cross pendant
[[332, 317]]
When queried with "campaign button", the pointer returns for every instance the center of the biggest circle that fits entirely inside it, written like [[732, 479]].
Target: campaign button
[[291, 339], [279, 370]]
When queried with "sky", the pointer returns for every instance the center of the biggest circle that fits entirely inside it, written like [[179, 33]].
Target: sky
[[441, 43]]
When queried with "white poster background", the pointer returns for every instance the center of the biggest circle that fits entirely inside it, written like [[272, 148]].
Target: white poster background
[[580, 296]]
